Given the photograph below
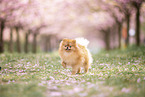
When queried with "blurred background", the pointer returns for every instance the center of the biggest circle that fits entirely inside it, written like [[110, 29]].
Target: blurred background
[[39, 25]]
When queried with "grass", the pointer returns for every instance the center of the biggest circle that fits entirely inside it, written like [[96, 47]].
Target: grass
[[118, 73]]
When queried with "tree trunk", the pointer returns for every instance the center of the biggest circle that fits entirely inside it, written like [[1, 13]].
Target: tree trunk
[[2, 26], [49, 43], [18, 40], [137, 26], [119, 35], [26, 42], [11, 41], [46, 43], [107, 39], [128, 27], [34, 43]]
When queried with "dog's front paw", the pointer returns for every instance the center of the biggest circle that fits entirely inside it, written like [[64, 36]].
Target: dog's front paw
[[63, 64]]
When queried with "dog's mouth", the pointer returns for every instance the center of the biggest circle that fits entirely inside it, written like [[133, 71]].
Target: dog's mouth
[[67, 49]]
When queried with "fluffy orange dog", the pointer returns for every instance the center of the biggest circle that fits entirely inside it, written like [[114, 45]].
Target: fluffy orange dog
[[74, 53]]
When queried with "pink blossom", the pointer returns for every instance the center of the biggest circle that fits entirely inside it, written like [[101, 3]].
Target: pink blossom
[[101, 64], [83, 94], [5, 69], [125, 90], [119, 63], [56, 94], [20, 71], [138, 80], [136, 61]]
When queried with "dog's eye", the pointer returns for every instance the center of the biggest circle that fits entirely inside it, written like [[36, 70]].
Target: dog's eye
[[65, 45], [70, 46]]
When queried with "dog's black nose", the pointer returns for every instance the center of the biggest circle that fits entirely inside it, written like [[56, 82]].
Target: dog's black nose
[[67, 48]]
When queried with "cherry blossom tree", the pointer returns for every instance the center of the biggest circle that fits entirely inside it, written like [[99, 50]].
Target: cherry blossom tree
[[98, 24], [29, 19], [126, 8], [96, 6], [56, 19], [116, 13], [11, 41], [105, 28], [137, 5], [7, 7]]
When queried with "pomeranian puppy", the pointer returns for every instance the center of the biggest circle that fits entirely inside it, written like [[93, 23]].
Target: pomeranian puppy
[[74, 53]]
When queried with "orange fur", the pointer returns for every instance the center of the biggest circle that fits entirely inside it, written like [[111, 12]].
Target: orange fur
[[74, 55]]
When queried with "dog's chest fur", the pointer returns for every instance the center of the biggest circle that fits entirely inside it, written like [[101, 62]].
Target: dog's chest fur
[[70, 58]]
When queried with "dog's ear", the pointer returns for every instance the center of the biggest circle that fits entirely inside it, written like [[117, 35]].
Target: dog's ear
[[74, 41]]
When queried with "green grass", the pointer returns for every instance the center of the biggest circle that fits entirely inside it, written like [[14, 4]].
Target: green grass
[[117, 73]]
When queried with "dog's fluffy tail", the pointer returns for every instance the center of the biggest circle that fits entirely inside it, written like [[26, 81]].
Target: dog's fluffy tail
[[85, 42], [82, 41]]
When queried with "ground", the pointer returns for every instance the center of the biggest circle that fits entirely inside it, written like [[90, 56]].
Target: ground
[[117, 73]]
